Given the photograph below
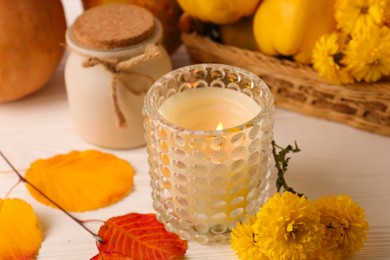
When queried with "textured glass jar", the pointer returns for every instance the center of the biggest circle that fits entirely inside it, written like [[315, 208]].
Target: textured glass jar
[[204, 182], [105, 100]]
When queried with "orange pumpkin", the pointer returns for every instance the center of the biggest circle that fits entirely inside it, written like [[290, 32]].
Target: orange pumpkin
[[31, 33]]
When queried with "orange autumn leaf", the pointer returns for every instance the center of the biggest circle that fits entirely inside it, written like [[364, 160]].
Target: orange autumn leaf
[[20, 233], [139, 236], [80, 181]]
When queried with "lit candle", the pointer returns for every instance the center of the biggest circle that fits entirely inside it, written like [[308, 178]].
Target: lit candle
[[209, 132], [211, 109], [205, 108]]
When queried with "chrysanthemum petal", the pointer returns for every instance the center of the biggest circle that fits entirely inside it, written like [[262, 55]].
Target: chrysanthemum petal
[[355, 15], [288, 227], [327, 58], [242, 241], [345, 222], [367, 55]]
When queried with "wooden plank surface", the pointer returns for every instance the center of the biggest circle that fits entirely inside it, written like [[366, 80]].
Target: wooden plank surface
[[335, 159]]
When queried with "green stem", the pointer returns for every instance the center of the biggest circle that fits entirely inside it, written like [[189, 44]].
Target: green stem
[[281, 164]]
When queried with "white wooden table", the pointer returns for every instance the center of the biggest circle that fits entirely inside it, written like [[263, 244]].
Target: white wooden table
[[335, 159]]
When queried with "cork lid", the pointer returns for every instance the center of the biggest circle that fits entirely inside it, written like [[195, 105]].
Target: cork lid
[[112, 26]]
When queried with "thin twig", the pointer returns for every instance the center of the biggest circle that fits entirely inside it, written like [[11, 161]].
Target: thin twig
[[22, 179]]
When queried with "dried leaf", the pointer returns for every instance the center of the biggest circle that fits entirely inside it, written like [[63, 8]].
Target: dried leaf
[[20, 233], [110, 256], [139, 236], [80, 181]]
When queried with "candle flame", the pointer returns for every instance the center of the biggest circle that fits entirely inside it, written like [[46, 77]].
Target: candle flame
[[219, 126]]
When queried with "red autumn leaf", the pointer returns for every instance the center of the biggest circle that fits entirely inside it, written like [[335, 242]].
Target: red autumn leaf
[[110, 256], [138, 236]]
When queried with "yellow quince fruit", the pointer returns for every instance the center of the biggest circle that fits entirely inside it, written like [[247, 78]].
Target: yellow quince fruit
[[292, 27], [239, 34], [219, 11]]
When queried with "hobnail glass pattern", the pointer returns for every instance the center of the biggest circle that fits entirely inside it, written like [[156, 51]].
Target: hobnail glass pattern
[[204, 182]]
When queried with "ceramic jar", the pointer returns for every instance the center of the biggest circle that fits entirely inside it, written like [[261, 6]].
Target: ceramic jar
[[115, 56]]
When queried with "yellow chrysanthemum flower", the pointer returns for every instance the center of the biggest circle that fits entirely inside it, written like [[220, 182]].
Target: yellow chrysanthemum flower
[[368, 54], [327, 58], [288, 227], [345, 223], [355, 15], [243, 241]]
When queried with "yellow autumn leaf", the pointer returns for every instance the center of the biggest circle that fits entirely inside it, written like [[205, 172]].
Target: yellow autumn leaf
[[20, 233], [80, 180]]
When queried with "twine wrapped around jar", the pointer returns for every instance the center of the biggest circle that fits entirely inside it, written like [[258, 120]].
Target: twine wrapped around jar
[[115, 57], [117, 68]]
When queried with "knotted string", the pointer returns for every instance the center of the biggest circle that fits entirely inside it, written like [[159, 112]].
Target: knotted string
[[118, 69]]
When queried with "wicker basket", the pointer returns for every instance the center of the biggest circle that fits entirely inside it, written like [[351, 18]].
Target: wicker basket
[[299, 88]]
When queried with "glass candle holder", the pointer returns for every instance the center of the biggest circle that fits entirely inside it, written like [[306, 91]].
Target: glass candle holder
[[204, 179]]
